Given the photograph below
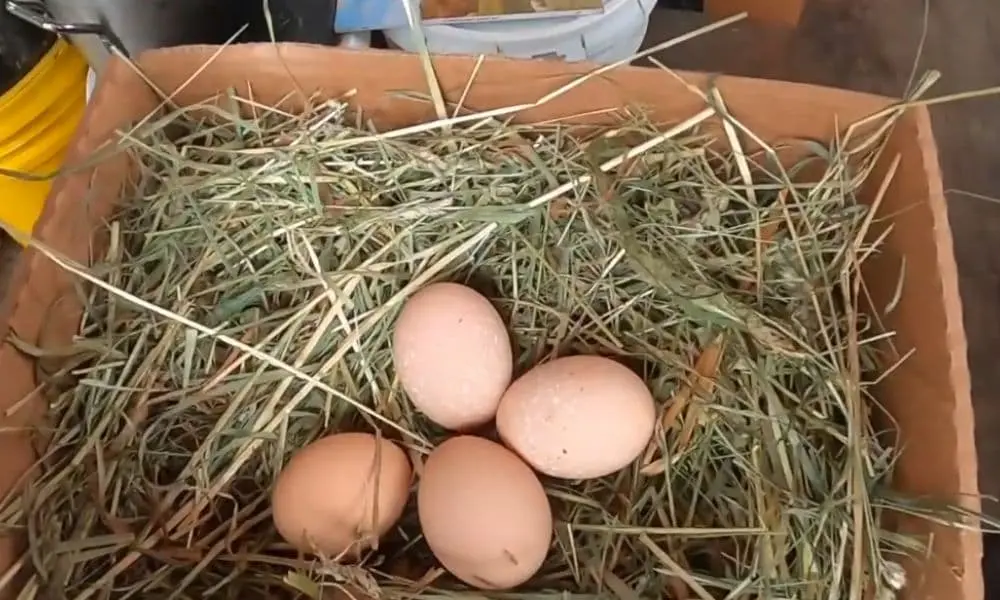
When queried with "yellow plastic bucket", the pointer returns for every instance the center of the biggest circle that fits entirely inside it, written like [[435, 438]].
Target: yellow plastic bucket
[[38, 117]]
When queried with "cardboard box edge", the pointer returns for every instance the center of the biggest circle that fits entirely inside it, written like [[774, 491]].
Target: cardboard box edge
[[960, 375]]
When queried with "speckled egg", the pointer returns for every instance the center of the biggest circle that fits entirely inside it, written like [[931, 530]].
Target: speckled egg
[[340, 493], [484, 513], [452, 354], [577, 417]]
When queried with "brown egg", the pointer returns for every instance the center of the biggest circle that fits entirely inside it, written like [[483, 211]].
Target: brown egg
[[484, 513], [452, 353], [341, 493], [577, 417]]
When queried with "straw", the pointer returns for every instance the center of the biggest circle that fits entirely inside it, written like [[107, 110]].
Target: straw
[[245, 307]]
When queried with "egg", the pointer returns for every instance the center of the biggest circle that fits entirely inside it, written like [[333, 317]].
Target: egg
[[341, 493], [484, 513], [452, 353], [577, 417]]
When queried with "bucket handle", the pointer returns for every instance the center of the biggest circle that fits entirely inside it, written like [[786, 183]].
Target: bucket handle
[[34, 12]]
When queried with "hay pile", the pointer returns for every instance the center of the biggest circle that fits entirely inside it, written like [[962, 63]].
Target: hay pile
[[245, 305]]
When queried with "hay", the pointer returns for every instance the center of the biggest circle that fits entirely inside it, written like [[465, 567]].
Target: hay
[[245, 305]]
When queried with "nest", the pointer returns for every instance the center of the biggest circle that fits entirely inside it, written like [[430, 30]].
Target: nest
[[245, 307]]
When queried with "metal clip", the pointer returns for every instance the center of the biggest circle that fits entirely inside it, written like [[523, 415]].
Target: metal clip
[[34, 12]]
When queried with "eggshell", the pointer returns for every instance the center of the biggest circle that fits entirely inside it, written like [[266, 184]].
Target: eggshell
[[453, 356], [484, 513], [329, 495], [577, 417]]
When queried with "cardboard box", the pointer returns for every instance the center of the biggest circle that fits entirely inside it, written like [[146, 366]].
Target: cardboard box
[[929, 395], [773, 12]]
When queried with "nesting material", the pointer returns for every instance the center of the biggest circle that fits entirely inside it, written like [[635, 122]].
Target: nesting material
[[246, 304]]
